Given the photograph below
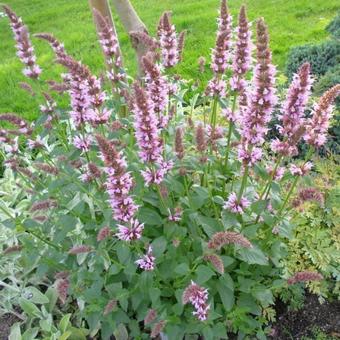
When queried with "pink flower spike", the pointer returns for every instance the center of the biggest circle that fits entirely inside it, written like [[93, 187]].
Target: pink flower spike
[[133, 232], [147, 262], [198, 297], [235, 205], [301, 170]]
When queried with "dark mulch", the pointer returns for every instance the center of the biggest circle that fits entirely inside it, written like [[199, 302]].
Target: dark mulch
[[297, 324], [6, 322]]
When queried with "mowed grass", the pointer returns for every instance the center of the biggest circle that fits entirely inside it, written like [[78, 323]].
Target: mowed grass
[[291, 22]]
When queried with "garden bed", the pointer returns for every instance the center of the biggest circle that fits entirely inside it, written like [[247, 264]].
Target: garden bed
[[301, 323], [295, 325]]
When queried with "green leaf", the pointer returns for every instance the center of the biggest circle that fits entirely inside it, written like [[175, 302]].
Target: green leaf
[[159, 246], [226, 295], [199, 198], [30, 334], [34, 295], [52, 296], [209, 224], [259, 206], [121, 333], [15, 332], [182, 269], [65, 335], [207, 333], [29, 308], [253, 256], [229, 219], [203, 273], [264, 295], [123, 252], [149, 216], [64, 322]]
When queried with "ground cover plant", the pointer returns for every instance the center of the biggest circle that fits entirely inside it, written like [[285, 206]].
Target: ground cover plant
[[150, 207], [304, 22]]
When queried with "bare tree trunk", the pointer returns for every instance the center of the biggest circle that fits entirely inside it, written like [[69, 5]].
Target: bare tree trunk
[[132, 22]]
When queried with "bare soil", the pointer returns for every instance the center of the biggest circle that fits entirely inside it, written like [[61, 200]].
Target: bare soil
[[298, 324]]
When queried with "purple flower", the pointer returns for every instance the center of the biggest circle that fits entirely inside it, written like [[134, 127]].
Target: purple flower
[[25, 50], [168, 41], [156, 85], [249, 156], [292, 121], [235, 205], [147, 262], [216, 87], [317, 125], [278, 173], [133, 232], [119, 182], [242, 57], [198, 297], [220, 54], [176, 216], [110, 46], [148, 140], [57, 46], [300, 170], [262, 97], [83, 144]]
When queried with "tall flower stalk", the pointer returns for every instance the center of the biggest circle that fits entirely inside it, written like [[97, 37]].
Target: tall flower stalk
[[25, 50], [109, 43], [119, 182], [262, 100]]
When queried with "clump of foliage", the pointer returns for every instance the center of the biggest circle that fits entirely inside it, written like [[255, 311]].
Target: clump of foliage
[[321, 57], [315, 241], [333, 28], [139, 221]]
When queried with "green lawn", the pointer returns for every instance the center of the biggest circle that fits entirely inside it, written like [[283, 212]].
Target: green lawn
[[291, 22]]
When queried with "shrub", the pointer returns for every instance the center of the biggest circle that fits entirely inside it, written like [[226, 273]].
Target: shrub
[[314, 244], [321, 57], [141, 221], [333, 28]]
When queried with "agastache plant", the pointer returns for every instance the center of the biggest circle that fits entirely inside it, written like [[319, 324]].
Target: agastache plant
[[25, 50], [180, 211]]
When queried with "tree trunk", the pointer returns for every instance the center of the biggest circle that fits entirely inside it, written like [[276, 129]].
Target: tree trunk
[[132, 22]]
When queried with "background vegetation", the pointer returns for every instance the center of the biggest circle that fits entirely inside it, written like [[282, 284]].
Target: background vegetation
[[291, 22]]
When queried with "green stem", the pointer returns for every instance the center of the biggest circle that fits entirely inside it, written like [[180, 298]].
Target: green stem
[[231, 126], [244, 182], [287, 197]]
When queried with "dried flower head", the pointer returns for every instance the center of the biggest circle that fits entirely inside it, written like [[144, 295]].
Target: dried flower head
[[157, 328], [81, 249], [12, 249], [222, 238], [179, 147], [43, 205], [104, 233], [62, 287], [215, 261], [150, 316], [111, 305], [304, 277]]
